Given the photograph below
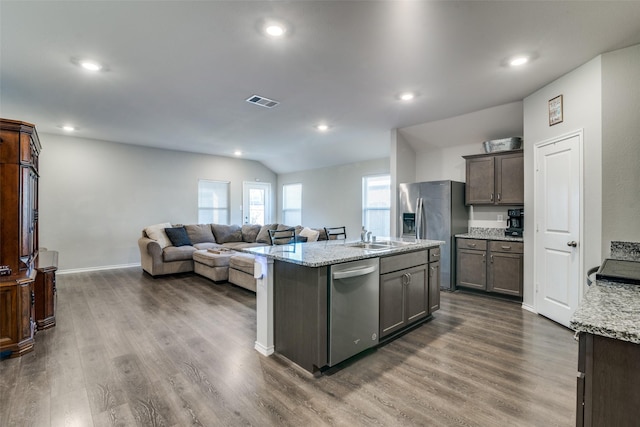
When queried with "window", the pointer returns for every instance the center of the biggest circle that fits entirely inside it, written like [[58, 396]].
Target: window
[[376, 204], [292, 204], [213, 202]]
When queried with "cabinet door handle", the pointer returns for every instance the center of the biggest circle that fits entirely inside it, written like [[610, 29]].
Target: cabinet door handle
[[492, 197], [498, 196], [505, 247], [491, 258], [484, 256], [473, 245]]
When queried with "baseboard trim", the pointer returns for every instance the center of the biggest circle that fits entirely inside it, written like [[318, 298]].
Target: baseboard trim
[[100, 268], [529, 308], [265, 351]]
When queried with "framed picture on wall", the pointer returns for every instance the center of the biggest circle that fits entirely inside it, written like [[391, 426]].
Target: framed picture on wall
[[555, 110]]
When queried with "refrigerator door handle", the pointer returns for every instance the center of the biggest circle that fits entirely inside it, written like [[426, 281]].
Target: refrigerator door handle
[[419, 218]]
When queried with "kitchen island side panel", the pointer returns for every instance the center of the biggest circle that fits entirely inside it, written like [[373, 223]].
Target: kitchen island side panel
[[300, 307]]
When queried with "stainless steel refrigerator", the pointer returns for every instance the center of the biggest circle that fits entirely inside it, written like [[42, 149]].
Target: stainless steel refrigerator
[[436, 211]]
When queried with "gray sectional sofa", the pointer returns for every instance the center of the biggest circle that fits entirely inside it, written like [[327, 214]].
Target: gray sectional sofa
[[169, 249]]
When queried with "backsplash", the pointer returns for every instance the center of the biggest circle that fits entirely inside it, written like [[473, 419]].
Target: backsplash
[[625, 250], [486, 232]]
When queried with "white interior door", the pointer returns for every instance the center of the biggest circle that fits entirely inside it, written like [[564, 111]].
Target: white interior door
[[558, 203], [256, 203]]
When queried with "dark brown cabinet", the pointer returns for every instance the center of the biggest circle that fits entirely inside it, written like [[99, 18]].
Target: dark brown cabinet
[[495, 179], [471, 264], [608, 376], [434, 280], [490, 265], [404, 291], [45, 289], [505, 268], [19, 152]]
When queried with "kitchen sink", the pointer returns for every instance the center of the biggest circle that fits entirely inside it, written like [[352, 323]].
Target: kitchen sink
[[379, 246]]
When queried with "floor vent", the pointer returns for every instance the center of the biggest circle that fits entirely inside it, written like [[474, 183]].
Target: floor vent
[[262, 101]]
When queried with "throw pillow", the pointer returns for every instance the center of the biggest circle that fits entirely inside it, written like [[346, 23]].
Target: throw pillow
[[200, 233], [156, 232], [311, 235], [178, 236], [227, 233], [263, 234], [250, 232]]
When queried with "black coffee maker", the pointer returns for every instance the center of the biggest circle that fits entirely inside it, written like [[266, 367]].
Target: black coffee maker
[[515, 223]]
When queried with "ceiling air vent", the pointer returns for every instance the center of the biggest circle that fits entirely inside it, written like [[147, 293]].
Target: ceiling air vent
[[262, 101]]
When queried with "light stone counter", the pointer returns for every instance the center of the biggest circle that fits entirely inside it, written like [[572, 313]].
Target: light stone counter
[[484, 233], [612, 309], [328, 252]]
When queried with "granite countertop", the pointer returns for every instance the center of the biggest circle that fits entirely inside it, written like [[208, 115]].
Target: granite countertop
[[612, 309], [328, 252], [488, 234]]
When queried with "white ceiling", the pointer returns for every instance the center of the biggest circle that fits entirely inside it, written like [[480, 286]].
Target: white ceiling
[[180, 71]]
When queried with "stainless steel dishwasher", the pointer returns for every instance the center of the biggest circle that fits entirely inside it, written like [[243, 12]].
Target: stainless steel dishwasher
[[354, 297]]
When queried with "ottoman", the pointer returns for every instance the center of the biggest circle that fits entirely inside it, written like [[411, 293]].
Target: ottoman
[[241, 271], [214, 266]]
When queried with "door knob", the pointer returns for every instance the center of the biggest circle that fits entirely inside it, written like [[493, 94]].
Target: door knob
[[572, 243]]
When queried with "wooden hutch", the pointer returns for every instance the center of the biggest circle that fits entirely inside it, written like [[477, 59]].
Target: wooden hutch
[[19, 151]]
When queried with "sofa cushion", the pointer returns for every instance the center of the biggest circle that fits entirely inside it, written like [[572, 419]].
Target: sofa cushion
[[178, 236], [311, 235], [250, 232], [322, 234], [240, 245], [263, 235], [206, 245], [200, 233], [242, 262], [179, 253], [156, 232], [227, 233]]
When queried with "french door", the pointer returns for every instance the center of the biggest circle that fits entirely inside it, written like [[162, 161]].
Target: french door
[[256, 203]]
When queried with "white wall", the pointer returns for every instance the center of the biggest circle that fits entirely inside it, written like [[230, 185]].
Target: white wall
[[332, 196], [403, 169], [97, 196], [582, 100], [620, 146]]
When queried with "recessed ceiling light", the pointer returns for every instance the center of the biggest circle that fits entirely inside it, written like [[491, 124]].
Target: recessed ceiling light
[[68, 128], [407, 96], [322, 127], [275, 30], [237, 153], [90, 65], [517, 61]]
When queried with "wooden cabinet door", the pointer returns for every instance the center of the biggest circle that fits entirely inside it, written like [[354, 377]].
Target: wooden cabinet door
[[505, 273], [8, 319], [472, 269], [45, 299], [434, 286], [392, 307], [25, 307], [417, 293], [510, 179], [479, 188]]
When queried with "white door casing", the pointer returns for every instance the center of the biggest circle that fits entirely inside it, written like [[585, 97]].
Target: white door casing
[[558, 202]]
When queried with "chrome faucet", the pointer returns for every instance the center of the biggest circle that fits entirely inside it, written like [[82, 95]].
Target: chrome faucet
[[363, 234], [368, 236]]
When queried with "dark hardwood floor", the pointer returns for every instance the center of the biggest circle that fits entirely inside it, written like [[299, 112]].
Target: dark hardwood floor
[[131, 350]]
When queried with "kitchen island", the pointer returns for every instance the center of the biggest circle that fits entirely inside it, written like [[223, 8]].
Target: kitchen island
[[607, 323], [294, 294]]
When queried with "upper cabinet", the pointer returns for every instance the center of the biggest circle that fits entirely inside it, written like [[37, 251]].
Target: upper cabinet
[[495, 178]]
